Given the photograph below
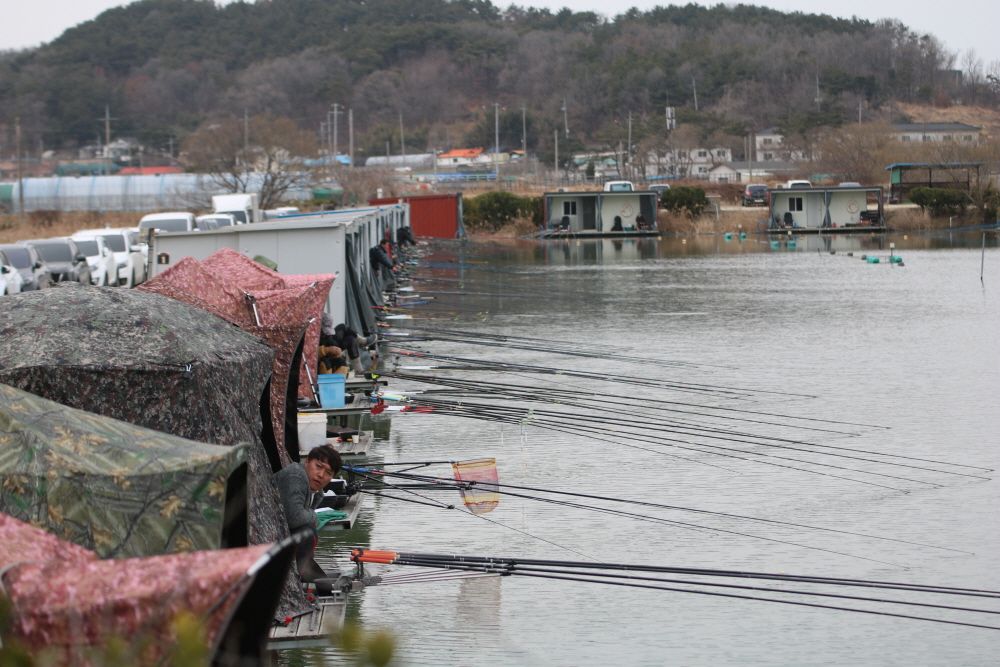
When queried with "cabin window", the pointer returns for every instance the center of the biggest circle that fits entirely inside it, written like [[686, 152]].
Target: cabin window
[[947, 137], [702, 153], [569, 208], [906, 137], [768, 156], [927, 137], [967, 137], [720, 152], [795, 203], [768, 141]]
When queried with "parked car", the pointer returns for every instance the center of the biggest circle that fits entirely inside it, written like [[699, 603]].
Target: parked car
[[220, 219], [754, 195], [10, 277], [179, 221], [129, 258], [35, 273], [64, 258], [100, 259]]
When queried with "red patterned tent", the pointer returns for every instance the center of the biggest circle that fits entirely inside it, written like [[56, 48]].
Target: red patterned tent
[[67, 601]]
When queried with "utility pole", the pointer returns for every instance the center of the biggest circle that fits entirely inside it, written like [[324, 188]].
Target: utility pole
[[246, 141], [628, 152], [565, 118], [350, 132], [524, 131], [170, 146], [20, 173], [694, 87], [496, 138], [750, 146], [818, 99], [336, 112], [402, 139], [859, 112], [555, 133], [107, 139]]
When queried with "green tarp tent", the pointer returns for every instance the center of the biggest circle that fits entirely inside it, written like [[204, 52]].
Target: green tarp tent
[[115, 488]]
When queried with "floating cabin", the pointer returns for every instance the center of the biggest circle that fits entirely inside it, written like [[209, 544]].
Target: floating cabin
[[827, 209], [592, 214]]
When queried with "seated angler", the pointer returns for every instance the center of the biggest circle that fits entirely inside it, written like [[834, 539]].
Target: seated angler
[[301, 488], [347, 340]]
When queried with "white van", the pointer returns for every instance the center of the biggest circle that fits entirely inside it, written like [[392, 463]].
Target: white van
[[179, 221]]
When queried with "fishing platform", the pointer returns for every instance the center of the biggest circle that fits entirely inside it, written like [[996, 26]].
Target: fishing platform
[[312, 629], [359, 405]]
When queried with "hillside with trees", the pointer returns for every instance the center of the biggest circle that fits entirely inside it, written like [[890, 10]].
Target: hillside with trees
[[167, 67]]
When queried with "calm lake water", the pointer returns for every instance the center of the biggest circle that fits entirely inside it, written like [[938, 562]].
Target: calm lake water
[[907, 353]]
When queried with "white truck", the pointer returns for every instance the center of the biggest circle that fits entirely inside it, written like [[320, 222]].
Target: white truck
[[244, 206], [619, 186]]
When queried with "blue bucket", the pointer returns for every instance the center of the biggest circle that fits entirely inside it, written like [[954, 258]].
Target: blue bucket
[[331, 390]]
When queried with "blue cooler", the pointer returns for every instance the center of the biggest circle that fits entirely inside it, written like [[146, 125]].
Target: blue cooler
[[331, 390]]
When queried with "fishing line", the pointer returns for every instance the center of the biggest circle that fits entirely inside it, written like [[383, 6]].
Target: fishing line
[[478, 516], [681, 509]]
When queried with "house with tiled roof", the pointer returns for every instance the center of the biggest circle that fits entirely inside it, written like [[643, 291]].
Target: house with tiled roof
[[459, 156]]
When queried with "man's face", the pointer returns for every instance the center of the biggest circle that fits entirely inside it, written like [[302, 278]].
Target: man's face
[[319, 473]]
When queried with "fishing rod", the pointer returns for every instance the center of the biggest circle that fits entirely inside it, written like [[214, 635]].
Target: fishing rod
[[716, 433], [518, 414], [650, 382], [589, 401], [445, 381], [408, 475], [670, 442], [434, 503], [549, 350], [646, 518], [570, 572]]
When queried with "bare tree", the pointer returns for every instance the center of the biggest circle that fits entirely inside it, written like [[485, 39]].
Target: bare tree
[[857, 152], [266, 153]]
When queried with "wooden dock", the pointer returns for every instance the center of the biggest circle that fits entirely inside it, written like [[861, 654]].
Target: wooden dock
[[361, 405], [312, 629], [355, 449], [352, 508]]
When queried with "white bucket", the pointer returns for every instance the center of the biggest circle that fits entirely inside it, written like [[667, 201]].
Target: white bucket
[[312, 431]]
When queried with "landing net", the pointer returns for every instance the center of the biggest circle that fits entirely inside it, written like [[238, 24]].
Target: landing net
[[483, 496]]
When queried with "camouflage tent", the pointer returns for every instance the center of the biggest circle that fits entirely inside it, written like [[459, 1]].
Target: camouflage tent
[[115, 488], [235, 269], [64, 600], [153, 362]]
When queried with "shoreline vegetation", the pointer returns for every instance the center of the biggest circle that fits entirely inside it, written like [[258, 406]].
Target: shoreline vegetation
[[901, 217]]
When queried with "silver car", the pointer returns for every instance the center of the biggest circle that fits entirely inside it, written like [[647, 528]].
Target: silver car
[[64, 258], [35, 273]]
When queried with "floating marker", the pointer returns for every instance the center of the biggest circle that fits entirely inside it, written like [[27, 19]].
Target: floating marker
[[729, 236], [775, 245], [791, 244], [872, 260], [850, 254], [895, 260], [743, 235]]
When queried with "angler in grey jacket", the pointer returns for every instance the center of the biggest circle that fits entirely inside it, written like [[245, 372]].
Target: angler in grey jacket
[[301, 488]]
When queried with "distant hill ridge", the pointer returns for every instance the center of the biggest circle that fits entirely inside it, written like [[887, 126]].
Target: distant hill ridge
[[165, 66]]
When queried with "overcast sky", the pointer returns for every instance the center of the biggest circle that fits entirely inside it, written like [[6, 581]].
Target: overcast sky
[[961, 24]]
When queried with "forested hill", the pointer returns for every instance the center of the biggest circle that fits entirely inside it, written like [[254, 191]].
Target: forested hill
[[165, 66]]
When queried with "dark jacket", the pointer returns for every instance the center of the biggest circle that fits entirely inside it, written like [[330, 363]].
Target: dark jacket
[[379, 257], [297, 499]]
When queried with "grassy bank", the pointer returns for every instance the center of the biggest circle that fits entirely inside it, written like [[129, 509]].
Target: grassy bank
[[46, 224]]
